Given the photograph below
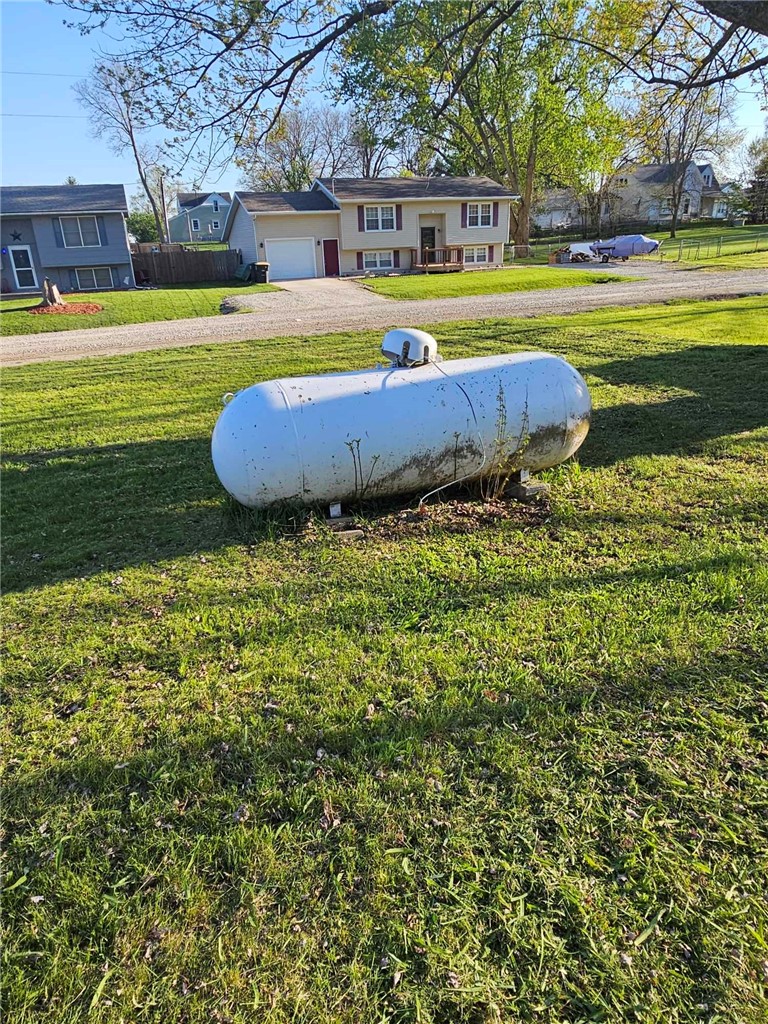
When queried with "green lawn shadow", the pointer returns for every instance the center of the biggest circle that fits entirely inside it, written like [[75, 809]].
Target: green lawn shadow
[[75, 512]]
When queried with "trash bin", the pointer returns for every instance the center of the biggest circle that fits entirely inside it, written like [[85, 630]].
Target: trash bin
[[261, 272]]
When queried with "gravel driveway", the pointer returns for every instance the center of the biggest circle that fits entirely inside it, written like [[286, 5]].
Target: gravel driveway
[[326, 305]]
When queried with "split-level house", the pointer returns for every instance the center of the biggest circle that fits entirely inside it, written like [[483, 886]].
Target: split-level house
[[199, 217], [641, 195], [73, 234], [347, 226]]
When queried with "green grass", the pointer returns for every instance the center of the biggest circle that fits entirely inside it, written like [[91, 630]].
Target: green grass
[[743, 261], [486, 282], [695, 233], [711, 248], [703, 234], [508, 775], [202, 246], [131, 307]]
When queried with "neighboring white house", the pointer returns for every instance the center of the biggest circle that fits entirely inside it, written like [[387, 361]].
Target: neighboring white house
[[200, 216], [641, 195], [345, 226]]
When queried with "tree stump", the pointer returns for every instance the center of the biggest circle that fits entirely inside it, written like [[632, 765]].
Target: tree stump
[[51, 294]]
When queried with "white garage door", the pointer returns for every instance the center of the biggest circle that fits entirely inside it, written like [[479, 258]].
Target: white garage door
[[290, 258]]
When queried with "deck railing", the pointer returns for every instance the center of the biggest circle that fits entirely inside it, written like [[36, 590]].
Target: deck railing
[[447, 256]]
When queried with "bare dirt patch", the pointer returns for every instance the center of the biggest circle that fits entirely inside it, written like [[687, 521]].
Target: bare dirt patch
[[459, 517]]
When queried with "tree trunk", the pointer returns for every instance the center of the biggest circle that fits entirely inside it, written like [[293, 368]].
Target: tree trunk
[[523, 226], [159, 219], [51, 294]]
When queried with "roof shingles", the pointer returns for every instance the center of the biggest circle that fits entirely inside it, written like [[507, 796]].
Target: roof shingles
[[189, 200], [46, 199], [416, 188], [285, 202]]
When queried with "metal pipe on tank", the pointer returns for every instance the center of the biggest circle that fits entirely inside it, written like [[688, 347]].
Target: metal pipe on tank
[[397, 430]]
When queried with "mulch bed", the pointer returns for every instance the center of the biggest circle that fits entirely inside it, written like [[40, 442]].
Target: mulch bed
[[71, 307]]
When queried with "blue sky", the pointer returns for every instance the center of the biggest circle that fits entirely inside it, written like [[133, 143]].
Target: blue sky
[[44, 150]]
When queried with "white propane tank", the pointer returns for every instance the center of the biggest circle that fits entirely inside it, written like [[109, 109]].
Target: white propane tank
[[397, 430]]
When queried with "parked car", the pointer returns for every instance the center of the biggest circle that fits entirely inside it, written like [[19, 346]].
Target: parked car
[[624, 246]]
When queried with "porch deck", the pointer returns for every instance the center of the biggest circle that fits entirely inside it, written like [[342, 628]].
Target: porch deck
[[438, 261]]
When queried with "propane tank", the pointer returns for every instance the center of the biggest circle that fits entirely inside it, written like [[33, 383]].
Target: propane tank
[[414, 425]]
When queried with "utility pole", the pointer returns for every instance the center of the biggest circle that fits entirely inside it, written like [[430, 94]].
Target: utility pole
[[165, 209]]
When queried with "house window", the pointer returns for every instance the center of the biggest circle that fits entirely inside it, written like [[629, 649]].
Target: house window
[[378, 260], [622, 181], [687, 206], [666, 207], [215, 225], [79, 232], [215, 205], [479, 215], [91, 278], [379, 218], [476, 254], [195, 224], [707, 180]]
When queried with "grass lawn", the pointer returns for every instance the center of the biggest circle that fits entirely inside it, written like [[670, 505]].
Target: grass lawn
[[507, 775], [744, 261], [683, 233], [485, 282], [728, 234], [701, 246], [175, 302], [202, 246]]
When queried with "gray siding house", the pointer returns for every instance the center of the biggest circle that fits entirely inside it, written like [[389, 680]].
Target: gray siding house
[[200, 217], [639, 195], [73, 234]]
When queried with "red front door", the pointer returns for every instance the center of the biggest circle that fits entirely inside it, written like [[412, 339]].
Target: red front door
[[331, 257]]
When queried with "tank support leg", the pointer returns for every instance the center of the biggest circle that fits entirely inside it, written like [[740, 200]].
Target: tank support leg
[[523, 487]]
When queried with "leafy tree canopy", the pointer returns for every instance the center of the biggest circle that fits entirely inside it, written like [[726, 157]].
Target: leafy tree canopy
[[217, 71], [143, 227]]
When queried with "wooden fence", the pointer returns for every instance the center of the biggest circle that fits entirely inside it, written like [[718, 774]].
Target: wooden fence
[[185, 267]]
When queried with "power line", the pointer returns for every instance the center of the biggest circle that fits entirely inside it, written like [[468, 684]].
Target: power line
[[76, 117], [44, 74]]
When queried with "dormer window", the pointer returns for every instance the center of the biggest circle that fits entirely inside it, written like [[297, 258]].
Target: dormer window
[[707, 179], [215, 205]]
